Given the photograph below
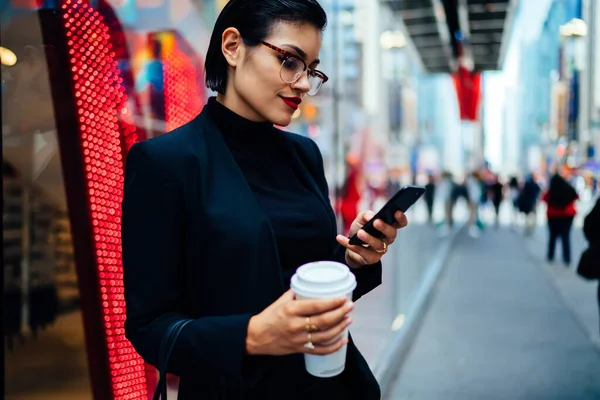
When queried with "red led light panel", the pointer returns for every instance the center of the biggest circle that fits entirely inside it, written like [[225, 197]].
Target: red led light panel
[[100, 99], [183, 98]]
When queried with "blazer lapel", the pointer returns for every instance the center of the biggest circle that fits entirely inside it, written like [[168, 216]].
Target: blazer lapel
[[216, 144], [305, 166]]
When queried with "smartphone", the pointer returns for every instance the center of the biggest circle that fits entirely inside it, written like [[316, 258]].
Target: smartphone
[[403, 200]]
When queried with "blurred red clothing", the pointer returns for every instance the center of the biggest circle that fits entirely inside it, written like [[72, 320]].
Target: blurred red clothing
[[560, 212], [349, 201]]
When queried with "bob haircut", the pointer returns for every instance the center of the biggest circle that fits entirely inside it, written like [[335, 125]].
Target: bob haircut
[[255, 19]]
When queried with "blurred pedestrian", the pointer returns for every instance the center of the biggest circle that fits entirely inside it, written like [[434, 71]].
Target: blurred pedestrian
[[528, 200], [430, 196], [497, 194], [514, 191], [475, 191], [349, 197], [445, 194], [560, 198], [589, 264], [393, 185]]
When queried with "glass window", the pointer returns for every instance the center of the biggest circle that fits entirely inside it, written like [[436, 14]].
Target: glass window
[[79, 87], [43, 330]]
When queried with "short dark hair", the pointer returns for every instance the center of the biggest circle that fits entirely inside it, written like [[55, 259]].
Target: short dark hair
[[255, 19]]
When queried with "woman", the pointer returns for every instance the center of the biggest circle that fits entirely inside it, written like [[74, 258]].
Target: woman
[[560, 198], [218, 214]]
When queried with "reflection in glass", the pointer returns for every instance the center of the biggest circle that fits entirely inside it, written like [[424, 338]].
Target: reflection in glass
[[44, 342]]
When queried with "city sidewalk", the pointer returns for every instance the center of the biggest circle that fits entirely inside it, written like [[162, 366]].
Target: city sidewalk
[[579, 294], [498, 329]]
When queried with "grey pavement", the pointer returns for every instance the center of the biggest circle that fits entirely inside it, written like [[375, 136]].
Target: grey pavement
[[579, 294], [497, 328]]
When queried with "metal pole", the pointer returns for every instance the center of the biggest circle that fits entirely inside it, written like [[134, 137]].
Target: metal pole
[[338, 143]]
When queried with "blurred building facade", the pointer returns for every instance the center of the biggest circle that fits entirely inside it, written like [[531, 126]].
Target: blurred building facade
[[552, 112]]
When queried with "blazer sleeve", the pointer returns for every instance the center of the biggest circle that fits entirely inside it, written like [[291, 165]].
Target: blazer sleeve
[[368, 277], [591, 224], [152, 235]]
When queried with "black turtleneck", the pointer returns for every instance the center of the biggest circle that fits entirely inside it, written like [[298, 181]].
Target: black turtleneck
[[299, 219]]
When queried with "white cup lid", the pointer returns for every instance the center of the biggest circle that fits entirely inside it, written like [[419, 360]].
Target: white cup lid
[[323, 279]]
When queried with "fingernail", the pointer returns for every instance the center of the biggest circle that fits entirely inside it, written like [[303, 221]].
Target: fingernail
[[348, 320], [350, 305], [345, 341]]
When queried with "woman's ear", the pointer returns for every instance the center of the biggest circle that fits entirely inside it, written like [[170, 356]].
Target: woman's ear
[[232, 46]]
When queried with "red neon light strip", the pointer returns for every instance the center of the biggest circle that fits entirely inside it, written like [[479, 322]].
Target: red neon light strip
[[100, 102], [183, 100]]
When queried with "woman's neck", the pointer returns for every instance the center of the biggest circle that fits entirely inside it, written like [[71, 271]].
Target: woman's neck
[[240, 107]]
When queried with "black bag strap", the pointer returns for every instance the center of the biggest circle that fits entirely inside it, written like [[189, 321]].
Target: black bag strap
[[160, 393]]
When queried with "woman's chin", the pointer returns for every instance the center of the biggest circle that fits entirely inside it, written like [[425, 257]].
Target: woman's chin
[[283, 120]]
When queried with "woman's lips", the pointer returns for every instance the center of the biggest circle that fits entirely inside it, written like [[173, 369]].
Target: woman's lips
[[291, 102]]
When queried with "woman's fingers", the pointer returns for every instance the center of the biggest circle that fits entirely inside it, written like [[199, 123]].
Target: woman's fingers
[[401, 220], [388, 231], [364, 217], [322, 321], [324, 349], [310, 307], [331, 319], [372, 241], [330, 334]]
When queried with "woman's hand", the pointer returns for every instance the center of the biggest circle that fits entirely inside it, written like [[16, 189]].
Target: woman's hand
[[357, 256], [281, 328]]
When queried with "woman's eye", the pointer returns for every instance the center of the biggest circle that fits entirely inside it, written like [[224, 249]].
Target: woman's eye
[[290, 63]]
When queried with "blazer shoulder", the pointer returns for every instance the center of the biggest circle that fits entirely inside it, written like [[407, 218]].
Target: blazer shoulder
[[297, 139], [171, 152], [306, 145]]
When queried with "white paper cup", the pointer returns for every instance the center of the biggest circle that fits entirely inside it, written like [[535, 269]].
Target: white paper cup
[[322, 280]]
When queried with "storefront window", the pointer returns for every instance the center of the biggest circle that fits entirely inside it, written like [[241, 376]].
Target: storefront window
[[43, 330], [82, 81]]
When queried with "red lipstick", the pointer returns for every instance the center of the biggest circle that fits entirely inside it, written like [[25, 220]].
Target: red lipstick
[[292, 102]]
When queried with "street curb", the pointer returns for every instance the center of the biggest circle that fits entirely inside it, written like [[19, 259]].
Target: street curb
[[387, 366]]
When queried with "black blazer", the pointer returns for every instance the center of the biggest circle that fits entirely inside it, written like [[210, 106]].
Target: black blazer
[[196, 244], [591, 225]]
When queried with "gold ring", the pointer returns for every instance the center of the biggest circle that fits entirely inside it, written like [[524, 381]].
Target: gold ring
[[310, 327], [384, 250], [309, 344]]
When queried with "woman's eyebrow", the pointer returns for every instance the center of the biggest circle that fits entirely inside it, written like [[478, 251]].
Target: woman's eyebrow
[[301, 53]]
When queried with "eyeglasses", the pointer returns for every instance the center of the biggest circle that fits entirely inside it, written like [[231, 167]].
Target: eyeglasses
[[292, 68]]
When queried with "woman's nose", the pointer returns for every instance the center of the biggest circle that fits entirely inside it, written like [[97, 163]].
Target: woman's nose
[[302, 83]]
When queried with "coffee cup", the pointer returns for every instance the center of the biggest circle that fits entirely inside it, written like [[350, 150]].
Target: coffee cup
[[322, 280]]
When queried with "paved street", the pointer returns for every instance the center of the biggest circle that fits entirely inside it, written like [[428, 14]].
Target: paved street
[[498, 328]]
